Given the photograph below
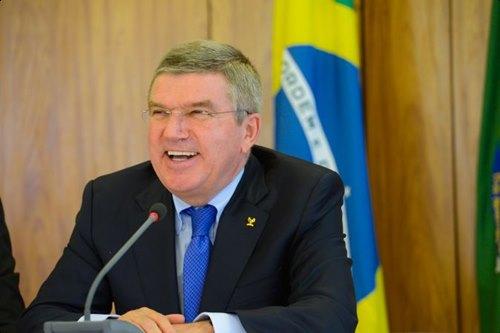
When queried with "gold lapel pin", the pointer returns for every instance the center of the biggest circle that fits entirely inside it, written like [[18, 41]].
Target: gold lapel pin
[[250, 222]]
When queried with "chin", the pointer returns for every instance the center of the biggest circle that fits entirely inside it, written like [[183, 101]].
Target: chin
[[180, 187]]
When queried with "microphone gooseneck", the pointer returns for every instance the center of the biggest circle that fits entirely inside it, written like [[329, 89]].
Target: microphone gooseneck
[[156, 213]]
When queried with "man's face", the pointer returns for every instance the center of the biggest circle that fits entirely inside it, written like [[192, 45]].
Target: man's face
[[196, 157]]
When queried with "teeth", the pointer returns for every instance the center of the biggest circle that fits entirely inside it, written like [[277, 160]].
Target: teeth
[[172, 153]]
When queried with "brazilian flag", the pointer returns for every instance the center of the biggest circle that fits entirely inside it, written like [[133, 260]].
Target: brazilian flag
[[488, 188], [319, 117]]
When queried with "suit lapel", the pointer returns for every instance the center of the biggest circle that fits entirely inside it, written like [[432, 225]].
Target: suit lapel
[[155, 253], [240, 226]]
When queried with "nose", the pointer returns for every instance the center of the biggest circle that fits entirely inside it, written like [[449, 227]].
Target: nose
[[176, 127]]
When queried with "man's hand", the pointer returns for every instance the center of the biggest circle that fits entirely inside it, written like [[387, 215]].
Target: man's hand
[[203, 326], [150, 321]]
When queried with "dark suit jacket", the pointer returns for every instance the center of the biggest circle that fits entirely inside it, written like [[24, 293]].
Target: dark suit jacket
[[288, 273], [11, 302]]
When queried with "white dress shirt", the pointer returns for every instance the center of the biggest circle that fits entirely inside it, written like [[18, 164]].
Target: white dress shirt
[[222, 322]]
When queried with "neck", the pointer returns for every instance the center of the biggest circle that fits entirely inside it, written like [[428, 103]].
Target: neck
[[214, 197]]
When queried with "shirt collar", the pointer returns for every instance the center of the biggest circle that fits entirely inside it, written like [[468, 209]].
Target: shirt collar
[[219, 201]]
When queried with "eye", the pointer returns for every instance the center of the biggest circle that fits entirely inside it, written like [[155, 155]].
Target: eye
[[199, 113], [159, 113]]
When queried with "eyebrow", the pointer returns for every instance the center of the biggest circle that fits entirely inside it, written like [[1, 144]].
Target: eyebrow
[[206, 104]]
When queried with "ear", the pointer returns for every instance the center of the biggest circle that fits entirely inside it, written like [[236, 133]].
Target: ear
[[251, 127]]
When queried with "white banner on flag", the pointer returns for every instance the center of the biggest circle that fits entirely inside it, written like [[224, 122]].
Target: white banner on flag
[[301, 98]]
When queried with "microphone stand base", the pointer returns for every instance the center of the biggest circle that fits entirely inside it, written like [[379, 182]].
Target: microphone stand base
[[104, 326]]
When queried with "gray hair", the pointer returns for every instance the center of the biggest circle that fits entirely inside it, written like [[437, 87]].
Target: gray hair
[[205, 56]]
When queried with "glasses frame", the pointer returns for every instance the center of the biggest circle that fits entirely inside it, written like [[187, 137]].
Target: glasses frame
[[147, 114]]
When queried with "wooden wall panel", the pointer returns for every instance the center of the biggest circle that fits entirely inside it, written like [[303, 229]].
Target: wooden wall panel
[[409, 136], [248, 26], [469, 35], [73, 81]]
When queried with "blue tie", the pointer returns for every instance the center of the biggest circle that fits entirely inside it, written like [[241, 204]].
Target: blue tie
[[197, 258]]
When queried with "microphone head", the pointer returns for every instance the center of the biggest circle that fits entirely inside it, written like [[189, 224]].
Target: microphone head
[[159, 209]]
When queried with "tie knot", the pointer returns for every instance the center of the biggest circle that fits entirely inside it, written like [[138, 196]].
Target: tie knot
[[202, 219]]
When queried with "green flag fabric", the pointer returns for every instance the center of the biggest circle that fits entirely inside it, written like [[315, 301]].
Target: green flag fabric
[[488, 188]]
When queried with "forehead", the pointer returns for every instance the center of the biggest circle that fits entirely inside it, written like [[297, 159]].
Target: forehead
[[190, 88]]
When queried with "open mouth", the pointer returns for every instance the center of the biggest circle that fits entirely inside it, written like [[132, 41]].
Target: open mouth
[[179, 156]]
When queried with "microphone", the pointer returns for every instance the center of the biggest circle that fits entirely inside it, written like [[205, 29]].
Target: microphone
[[156, 213]]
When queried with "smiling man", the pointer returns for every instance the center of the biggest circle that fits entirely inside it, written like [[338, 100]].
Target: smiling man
[[197, 144], [252, 241]]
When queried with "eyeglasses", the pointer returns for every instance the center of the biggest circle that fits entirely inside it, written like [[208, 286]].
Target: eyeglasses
[[196, 114]]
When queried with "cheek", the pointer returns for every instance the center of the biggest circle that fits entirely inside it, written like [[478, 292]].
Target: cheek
[[229, 145], [155, 147], [226, 140], [154, 135]]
